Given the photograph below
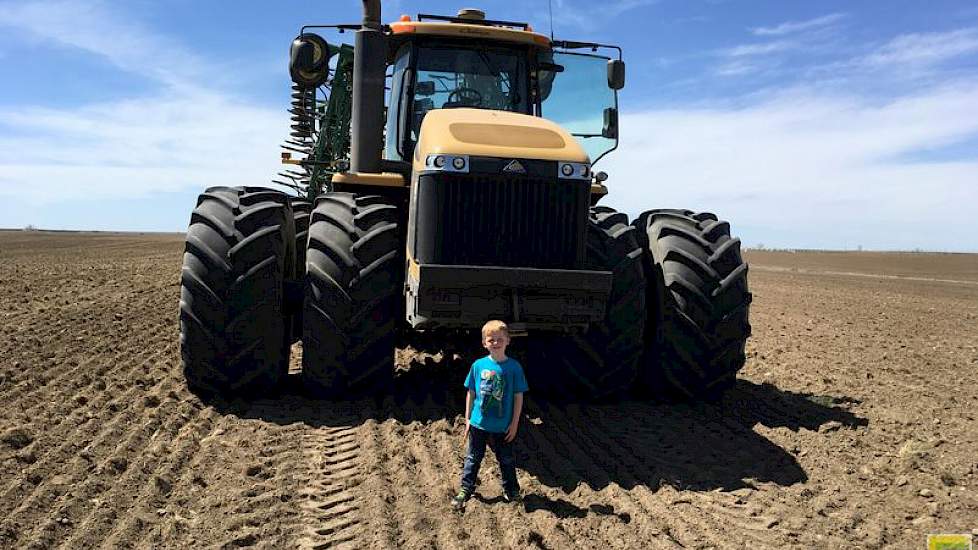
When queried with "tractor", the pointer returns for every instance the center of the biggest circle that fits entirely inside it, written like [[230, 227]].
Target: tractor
[[442, 170]]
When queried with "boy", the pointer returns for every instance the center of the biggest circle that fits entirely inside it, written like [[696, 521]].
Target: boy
[[492, 411]]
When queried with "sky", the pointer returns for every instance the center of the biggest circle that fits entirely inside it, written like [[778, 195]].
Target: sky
[[825, 124]]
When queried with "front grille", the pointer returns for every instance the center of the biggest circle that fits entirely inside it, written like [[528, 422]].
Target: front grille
[[501, 219]]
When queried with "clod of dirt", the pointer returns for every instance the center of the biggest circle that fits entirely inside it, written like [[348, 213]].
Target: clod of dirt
[[81, 399], [16, 438], [27, 456], [947, 478], [253, 470], [152, 401], [535, 539], [247, 540], [901, 481], [163, 485], [926, 493], [118, 465], [8, 534], [830, 426]]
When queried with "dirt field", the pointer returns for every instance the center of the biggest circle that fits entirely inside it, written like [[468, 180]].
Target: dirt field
[[853, 426]]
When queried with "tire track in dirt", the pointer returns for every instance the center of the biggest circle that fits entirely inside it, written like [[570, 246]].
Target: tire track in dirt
[[688, 526], [106, 458], [437, 478], [83, 478], [329, 485], [185, 490], [79, 432], [57, 353], [383, 530], [683, 529], [413, 524], [546, 522], [153, 473], [79, 398], [37, 361], [263, 511], [102, 498], [580, 457]]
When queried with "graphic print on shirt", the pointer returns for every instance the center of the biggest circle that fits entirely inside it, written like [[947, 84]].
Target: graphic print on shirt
[[492, 388]]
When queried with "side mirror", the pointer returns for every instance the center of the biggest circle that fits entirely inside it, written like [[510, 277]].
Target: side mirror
[[309, 60], [610, 128], [616, 74], [601, 177]]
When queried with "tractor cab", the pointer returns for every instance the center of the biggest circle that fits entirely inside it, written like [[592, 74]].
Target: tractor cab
[[468, 61]]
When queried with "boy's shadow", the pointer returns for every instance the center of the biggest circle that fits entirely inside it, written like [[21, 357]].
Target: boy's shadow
[[699, 446]]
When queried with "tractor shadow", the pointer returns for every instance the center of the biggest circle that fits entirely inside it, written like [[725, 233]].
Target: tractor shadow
[[695, 446]]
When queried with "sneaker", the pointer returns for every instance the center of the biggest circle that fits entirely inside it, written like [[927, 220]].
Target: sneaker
[[458, 501], [513, 496]]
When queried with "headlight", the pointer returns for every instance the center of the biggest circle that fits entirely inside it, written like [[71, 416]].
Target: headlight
[[575, 170], [448, 163]]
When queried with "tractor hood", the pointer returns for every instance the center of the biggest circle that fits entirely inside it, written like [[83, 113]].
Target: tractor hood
[[500, 134]]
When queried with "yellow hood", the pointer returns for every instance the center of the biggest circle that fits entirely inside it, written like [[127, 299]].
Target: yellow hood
[[500, 134]]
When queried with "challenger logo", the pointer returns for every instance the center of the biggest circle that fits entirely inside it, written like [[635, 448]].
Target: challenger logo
[[514, 166]]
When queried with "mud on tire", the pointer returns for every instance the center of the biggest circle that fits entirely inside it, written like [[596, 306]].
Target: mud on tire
[[698, 304], [604, 360], [239, 251], [354, 279]]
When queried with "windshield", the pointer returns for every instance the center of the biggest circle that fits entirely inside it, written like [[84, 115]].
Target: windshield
[[577, 98], [449, 76]]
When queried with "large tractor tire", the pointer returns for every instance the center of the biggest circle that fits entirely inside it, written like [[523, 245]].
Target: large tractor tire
[[603, 361], [301, 209], [354, 282], [239, 252], [698, 304]]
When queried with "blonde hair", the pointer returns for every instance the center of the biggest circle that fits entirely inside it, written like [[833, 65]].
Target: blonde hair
[[494, 326]]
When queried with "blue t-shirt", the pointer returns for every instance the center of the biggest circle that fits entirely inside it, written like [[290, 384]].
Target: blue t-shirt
[[494, 385]]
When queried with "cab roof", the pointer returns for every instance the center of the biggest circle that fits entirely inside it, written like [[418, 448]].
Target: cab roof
[[481, 29]]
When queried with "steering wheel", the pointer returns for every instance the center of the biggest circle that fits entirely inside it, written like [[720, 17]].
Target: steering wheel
[[464, 97]]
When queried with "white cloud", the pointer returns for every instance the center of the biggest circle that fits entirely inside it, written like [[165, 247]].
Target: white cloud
[[183, 135], [923, 49], [807, 169], [791, 27], [98, 29], [137, 147], [764, 48]]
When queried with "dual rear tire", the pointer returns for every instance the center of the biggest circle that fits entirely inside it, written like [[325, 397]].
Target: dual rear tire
[[240, 252], [353, 294], [699, 315], [247, 249]]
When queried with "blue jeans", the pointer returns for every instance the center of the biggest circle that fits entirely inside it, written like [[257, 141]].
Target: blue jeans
[[477, 451]]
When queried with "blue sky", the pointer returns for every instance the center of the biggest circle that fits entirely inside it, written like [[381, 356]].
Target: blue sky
[[806, 124]]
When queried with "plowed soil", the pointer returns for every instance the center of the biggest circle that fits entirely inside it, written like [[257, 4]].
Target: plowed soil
[[852, 425]]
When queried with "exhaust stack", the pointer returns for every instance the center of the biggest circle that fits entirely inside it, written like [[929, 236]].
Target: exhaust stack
[[366, 121]]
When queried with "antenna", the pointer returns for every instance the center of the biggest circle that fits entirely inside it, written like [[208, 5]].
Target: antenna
[[550, 4]]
